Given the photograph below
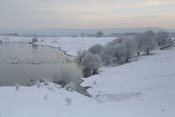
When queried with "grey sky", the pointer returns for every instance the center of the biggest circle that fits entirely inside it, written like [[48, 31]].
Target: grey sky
[[33, 14]]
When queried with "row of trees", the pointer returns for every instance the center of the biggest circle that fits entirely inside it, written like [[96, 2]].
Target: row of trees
[[121, 50]]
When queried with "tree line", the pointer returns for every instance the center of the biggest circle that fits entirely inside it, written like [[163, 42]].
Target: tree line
[[122, 49]]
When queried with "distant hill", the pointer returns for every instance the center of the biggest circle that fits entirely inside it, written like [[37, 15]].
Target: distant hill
[[70, 32]]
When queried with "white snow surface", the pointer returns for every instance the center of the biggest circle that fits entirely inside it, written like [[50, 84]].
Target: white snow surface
[[142, 88], [68, 44]]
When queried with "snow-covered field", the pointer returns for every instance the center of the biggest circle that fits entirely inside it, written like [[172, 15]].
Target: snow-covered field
[[68, 44], [143, 88]]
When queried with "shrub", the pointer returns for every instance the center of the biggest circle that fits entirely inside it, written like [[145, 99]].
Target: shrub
[[17, 86], [71, 86], [68, 100]]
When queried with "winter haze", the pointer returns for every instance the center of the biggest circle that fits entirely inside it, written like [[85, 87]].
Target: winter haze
[[35, 14]]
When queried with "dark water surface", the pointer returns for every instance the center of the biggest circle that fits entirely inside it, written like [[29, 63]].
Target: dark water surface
[[23, 63]]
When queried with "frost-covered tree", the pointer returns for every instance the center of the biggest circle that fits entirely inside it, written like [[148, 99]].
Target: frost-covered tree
[[150, 33], [119, 52], [99, 34], [115, 41], [130, 46], [120, 49], [81, 54], [91, 62], [148, 44], [162, 38], [96, 49], [106, 54], [145, 42], [118, 40], [138, 40]]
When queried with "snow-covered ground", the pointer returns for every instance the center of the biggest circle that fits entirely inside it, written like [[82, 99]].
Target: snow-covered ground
[[68, 44], [143, 88]]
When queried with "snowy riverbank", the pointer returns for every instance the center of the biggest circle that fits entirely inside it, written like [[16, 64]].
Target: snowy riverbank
[[143, 88], [68, 44]]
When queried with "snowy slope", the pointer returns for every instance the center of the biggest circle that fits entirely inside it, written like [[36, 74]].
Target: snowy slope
[[147, 85], [46, 101], [143, 88]]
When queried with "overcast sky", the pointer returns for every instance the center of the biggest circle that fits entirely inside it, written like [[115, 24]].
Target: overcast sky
[[32, 14]]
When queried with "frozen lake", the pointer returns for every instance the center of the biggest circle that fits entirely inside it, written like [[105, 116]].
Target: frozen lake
[[25, 63]]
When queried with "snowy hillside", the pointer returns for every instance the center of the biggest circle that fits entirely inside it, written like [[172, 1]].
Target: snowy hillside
[[146, 87], [142, 88]]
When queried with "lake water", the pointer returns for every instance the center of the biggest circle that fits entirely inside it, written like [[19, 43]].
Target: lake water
[[25, 63]]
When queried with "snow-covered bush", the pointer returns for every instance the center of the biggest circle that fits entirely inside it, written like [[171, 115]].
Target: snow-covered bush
[[68, 100], [38, 84], [17, 86], [34, 40], [71, 86]]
